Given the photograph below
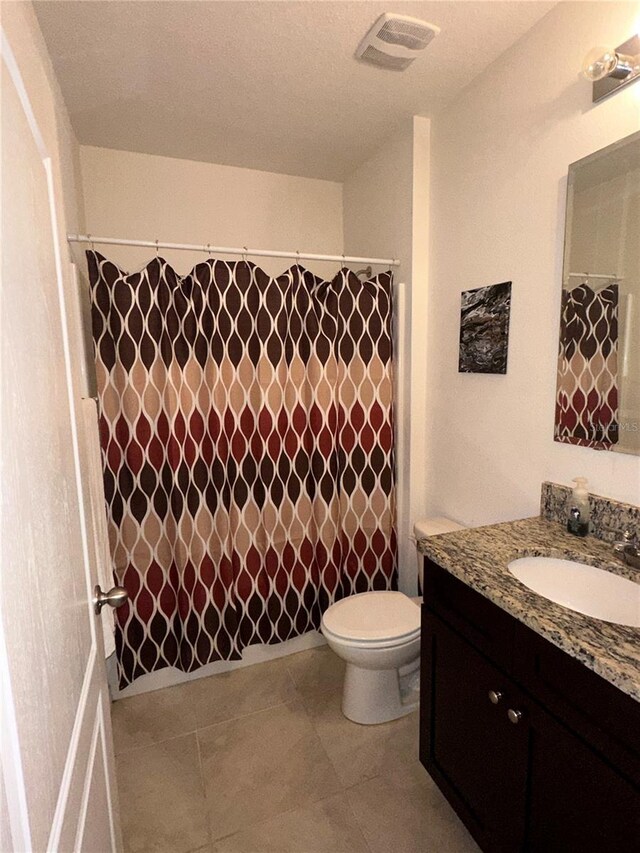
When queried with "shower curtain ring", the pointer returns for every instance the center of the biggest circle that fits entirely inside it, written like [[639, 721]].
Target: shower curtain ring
[[209, 249], [244, 254], [91, 243], [157, 249]]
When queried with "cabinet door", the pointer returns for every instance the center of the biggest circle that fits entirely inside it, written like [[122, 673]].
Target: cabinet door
[[475, 754], [578, 803]]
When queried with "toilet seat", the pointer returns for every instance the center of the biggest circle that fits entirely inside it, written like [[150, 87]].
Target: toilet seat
[[373, 619], [371, 645]]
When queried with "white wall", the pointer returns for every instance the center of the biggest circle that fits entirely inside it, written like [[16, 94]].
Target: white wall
[[386, 206], [142, 196], [500, 158]]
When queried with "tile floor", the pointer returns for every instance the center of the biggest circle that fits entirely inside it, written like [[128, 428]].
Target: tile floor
[[261, 760]]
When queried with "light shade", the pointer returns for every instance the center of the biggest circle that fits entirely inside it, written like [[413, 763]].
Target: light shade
[[599, 63]]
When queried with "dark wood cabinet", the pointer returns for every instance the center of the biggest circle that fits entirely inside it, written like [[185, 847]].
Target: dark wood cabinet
[[469, 743], [577, 800], [556, 772]]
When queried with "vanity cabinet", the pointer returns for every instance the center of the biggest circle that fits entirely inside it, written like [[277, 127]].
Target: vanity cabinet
[[534, 751], [467, 742]]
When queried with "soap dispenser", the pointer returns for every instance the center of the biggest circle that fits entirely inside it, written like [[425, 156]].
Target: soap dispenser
[[578, 517]]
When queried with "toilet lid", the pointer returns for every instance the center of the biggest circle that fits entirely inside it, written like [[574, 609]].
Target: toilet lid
[[373, 616]]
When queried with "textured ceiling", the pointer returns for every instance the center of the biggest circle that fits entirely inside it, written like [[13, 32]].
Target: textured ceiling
[[266, 85]]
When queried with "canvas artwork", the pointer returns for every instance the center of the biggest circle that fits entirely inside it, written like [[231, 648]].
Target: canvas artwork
[[484, 329]]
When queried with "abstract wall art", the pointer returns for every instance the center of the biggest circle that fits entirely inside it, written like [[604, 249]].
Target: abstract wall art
[[484, 329]]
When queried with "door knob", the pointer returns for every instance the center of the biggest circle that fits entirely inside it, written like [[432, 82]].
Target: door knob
[[116, 596], [514, 716], [495, 696]]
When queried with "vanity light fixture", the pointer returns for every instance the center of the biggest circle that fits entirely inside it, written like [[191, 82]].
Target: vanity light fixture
[[609, 69]]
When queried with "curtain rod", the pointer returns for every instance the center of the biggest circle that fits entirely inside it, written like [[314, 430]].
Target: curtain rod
[[594, 275], [226, 250]]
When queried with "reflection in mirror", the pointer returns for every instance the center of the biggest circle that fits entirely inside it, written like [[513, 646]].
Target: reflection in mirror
[[598, 391]]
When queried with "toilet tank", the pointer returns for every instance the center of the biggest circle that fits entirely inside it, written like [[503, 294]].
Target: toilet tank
[[431, 527]]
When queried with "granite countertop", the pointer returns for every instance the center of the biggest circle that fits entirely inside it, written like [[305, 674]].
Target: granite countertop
[[479, 557]]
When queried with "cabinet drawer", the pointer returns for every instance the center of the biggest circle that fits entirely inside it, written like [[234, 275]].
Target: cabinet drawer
[[604, 716], [483, 623]]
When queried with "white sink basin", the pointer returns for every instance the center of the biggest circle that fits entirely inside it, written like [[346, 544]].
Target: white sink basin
[[586, 589]]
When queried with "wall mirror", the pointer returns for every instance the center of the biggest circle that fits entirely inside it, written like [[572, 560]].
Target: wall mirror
[[598, 389]]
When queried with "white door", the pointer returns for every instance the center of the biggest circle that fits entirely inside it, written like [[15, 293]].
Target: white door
[[57, 757]]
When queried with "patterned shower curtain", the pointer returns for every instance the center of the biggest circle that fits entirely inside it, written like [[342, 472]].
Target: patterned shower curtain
[[587, 394], [247, 438]]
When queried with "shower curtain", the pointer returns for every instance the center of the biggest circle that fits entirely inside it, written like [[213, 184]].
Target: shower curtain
[[587, 393], [247, 438]]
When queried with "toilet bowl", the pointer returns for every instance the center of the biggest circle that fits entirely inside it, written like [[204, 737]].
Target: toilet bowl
[[377, 634]]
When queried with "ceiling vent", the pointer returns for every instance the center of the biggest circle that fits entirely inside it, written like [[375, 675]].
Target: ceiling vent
[[394, 41]]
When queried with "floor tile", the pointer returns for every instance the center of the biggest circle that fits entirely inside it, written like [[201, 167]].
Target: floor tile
[[261, 765], [152, 717], [404, 811], [241, 691], [362, 752], [316, 671], [162, 801], [325, 827]]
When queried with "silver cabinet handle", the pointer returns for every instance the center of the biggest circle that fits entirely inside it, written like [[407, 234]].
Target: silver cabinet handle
[[495, 696], [514, 716], [116, 597]]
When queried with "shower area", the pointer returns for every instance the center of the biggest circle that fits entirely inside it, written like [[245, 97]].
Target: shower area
[[247, 432]]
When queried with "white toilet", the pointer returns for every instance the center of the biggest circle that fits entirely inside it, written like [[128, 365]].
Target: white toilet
[[378, 635]]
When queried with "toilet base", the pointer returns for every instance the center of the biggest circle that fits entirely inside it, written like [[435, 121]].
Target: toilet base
[[373, 696]]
